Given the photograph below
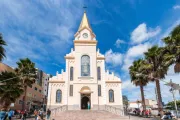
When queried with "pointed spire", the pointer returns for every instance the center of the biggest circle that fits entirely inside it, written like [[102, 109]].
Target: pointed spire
[[84, 22]]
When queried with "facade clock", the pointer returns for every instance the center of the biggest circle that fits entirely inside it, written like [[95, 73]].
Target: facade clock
[[85, 35]]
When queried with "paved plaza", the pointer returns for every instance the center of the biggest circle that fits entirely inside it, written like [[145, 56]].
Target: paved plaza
[[92, 115]]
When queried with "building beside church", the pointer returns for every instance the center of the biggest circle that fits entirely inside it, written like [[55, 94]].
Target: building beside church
[[85, 80]]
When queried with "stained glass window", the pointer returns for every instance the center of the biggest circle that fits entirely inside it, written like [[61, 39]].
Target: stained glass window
[[58, 96], [71, 73], [85, 65], [111, 95], [99, 73]]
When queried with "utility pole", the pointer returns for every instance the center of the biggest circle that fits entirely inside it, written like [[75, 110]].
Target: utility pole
[[172, 91], [174, 87]]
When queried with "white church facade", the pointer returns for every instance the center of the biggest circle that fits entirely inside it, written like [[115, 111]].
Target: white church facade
[[85, 78]]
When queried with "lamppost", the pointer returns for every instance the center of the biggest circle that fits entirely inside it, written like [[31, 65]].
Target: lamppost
[[174, 87]]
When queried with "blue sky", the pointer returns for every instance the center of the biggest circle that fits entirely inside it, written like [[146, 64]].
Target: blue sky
[[43, 30]]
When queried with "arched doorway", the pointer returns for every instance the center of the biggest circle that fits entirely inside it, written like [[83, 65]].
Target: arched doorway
[[84, 102], [85, 97]]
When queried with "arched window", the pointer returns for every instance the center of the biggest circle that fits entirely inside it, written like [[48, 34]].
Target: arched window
[[58, 96], [71, 73], [98, 73], [111, 95], [85, 65]]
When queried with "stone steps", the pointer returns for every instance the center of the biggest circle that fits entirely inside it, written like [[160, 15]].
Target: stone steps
[[87, 115]]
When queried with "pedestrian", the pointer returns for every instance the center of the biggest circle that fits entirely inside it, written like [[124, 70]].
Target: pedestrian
[[48, 114], [2, 114], [38, 117], [35, 114], [10, 114], [147, 113], [23, 114], [41, 113], [88, 104]]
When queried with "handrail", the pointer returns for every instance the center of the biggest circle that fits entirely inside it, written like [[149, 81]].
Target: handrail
[[115, 110], [56, 111]]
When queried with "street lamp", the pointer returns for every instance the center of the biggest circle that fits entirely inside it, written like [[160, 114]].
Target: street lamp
[[173, 88]]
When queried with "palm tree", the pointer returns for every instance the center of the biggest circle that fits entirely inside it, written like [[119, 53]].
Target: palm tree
[[159, 68], [138, 77], [10, 90], [173, 48], [2, 50], [27, 73]]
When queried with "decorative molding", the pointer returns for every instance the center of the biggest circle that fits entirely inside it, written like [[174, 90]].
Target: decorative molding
[[110, 85], [85, 77], [69, 57], [56, 81], [113, 82], [100, 58], [85, 42], [92, 34]]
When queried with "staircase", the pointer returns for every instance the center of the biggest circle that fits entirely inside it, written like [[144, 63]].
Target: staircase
[[109, 113], [86, 115]]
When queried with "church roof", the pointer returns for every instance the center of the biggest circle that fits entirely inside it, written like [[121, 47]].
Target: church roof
[[84, 22]]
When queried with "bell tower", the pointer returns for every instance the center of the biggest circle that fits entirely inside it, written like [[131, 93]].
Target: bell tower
[[84, 32]]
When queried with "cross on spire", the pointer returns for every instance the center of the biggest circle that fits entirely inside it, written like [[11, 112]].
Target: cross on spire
[[84, 7]]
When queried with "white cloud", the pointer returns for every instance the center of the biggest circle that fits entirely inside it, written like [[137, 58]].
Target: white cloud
[[176, 7], [127, 84], [40, 30], [119, 42], [142, 33], [138, 50], [133, 53], [113, 58]]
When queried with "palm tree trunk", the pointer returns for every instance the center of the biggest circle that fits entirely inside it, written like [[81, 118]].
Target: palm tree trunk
[[143, 99], [159, 97], [24, 98], [5, 105]]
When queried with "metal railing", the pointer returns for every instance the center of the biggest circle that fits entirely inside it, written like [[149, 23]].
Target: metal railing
[[56, 111], [114, 110]]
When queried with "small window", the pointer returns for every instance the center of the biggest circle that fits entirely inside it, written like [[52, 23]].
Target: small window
[[20, 101], [58, 96], [28, 103], [71, 90], [111, 95], [71, 73], [99, 90], [35, 88], [99, 73], [85, 65]]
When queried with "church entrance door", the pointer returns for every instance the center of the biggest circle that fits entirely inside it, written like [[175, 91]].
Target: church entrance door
[[85, 98]]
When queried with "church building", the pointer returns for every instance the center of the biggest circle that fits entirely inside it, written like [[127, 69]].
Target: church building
[[85, 80]]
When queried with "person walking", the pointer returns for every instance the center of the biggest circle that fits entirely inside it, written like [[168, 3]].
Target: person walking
[[2, 114], [48, 114], [35, 114], [88, 104], [41, 113], [10, 114]]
